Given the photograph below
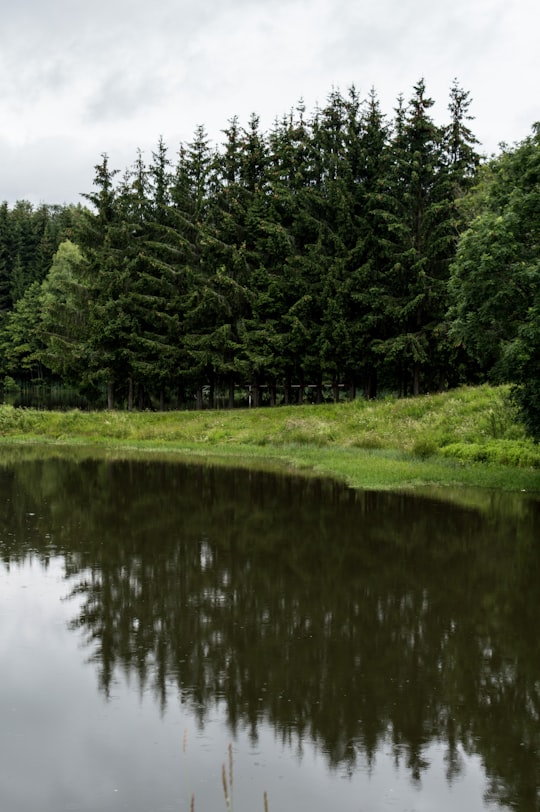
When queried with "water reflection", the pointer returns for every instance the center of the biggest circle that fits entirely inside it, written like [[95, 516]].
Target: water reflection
[[356, 621]]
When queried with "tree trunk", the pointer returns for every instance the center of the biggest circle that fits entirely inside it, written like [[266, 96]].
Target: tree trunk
[[211, 391], [416, 379], [110, 395], [370, 390], [130, 394], [318, 392], [442, 382], [402, 383], [288, 395]]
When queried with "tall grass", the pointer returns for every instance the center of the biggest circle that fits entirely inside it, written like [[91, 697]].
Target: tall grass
[[470, 435]]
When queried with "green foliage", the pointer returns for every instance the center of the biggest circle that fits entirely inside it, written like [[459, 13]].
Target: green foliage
[[64, 314], [9, 384], [424, 447], [314, 255], [29, 238], [514, 453], [20, 342], [495, 284]]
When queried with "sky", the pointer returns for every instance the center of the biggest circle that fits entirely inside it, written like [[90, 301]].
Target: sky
[[79, 79]]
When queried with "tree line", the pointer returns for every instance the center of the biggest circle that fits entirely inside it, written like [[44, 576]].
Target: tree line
[[332, 251]]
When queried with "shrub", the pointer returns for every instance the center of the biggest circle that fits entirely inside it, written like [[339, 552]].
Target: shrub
[[424, 447]]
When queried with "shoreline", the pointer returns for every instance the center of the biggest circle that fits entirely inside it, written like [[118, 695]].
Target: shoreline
[[461, 439]]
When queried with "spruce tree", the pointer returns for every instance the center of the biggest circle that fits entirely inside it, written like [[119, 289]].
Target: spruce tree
[[368, 258], [332, 206], [103, 238], [20, 337], [218, 300], [134, 209], [186, 240], [5, 260], [423, 238], [24, 242], [296, 176], [155, 289]]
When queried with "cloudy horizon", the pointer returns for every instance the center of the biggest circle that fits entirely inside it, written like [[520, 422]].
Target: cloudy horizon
[[79, 81]]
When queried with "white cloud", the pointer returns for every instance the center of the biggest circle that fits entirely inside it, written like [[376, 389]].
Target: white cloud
[[78, 79]]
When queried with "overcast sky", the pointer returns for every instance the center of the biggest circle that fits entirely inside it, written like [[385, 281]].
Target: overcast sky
[[81, 78]]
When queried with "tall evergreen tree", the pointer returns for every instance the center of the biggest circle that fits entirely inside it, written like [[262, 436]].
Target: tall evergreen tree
[[296, 185], [187, 240], [20, 337], [317, 253], [332, 209], [218, 300], [5, 260], [459, 142], [369, 249], [154, 295], [28, 239], [103, 238], [423, 245], [24, 243]]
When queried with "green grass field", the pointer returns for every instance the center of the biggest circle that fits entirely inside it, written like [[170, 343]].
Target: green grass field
[[469, 436]]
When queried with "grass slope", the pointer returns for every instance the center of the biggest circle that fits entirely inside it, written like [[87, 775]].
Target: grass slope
[[469, 436]]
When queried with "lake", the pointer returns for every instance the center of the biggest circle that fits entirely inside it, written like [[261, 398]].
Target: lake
[[342, 650]]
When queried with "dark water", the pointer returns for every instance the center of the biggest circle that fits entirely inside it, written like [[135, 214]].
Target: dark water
[[360, 651]]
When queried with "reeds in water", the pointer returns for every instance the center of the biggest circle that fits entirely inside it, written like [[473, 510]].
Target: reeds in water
[[227, 780]]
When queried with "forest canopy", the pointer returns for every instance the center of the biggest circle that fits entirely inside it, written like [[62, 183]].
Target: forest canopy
[[345, 250]]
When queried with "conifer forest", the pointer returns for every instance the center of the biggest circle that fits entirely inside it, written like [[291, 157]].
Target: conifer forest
[[347, 252]]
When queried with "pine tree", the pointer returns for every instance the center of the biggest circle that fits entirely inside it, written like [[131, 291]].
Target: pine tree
[[459, 142], [423, 245], [370, 258], [296, 177], [20, 337], [218, 299], [23, 248], [339, 211], [265, 246], [154, 294], [5, 260], [186, 240], [135, 210], [103, 239], [360, 251]]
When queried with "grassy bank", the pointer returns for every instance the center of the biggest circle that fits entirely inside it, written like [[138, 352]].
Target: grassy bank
[[469, 436]]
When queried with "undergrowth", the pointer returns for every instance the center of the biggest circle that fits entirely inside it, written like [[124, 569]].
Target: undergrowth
[[470, 426]]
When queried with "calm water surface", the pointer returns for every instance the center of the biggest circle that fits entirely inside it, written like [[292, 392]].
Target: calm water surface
[[360, 652]]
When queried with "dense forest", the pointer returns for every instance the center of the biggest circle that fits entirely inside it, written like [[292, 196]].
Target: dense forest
[[343, 252]]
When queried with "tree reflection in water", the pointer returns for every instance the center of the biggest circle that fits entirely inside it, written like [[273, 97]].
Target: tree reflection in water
[[350, 619]]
